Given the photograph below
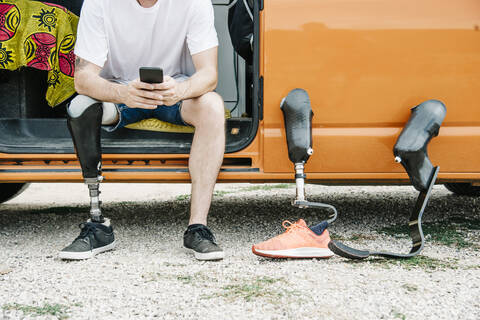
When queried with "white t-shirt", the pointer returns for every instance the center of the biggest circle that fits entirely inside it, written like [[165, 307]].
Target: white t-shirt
[[121, 36]]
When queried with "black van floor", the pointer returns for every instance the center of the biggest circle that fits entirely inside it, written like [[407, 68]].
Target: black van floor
[[51, 136]]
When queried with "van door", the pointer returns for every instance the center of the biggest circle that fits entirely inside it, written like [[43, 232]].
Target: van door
[[364, 64]]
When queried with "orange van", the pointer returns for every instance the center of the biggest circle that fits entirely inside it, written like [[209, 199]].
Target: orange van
[[360, 66], [364, 65]]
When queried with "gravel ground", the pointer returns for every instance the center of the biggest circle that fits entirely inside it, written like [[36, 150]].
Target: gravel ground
[[151, 275]]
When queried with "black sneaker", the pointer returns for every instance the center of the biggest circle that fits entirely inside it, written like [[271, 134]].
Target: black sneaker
[[94, 238], [202, 241]]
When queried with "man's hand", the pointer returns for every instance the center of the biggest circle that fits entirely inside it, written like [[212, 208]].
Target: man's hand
[[142, 95], [170, 90]]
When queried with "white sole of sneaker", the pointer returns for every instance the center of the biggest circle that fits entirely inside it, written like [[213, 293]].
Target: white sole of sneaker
[[305, 252], [216, 255], [85, 255]]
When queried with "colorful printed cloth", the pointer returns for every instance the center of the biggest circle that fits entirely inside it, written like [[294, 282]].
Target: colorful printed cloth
[[40, 35]]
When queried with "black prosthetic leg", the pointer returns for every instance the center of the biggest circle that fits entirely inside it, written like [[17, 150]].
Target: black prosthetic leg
[[411, 151], [85, 131], [298, 116]]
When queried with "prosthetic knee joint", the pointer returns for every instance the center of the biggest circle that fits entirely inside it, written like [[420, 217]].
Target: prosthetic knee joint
[[84, 123]]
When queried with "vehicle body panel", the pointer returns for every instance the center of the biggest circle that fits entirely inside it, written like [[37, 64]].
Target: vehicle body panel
[[365, 63]]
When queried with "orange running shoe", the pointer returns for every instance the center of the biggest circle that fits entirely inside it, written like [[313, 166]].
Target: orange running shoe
[[298, 241]]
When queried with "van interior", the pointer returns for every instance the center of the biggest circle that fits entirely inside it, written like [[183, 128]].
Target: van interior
[[29, 126]]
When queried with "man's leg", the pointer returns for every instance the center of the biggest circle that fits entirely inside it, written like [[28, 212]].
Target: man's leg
[[207, 115], [85, 117]]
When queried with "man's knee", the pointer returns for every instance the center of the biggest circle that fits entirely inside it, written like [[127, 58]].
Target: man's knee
[[80, 103], [211, 106]]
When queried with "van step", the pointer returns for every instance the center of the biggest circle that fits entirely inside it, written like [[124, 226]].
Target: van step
[[44, 136]]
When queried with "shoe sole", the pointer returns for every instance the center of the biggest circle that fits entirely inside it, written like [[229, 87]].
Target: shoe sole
[[65, 255], [216, 255], [304, 252]]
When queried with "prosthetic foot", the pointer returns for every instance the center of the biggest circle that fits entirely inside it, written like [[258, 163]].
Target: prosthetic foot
[[84, 123], [298, 115], [411, 151]]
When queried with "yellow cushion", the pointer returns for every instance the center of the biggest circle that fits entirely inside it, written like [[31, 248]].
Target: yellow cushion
[[153, 124]]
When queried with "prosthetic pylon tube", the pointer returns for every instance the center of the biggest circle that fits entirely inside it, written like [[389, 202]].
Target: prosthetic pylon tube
[[298, 115], [85, 131], [411, 150]]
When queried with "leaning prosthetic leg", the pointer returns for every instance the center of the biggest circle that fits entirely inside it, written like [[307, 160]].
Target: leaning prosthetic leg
[[299, 241], [84, 123], [411, 151]]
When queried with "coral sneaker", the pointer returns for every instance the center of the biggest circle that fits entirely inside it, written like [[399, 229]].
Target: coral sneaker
[[298, 241]]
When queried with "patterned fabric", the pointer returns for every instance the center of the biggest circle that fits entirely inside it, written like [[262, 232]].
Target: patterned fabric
[[40, 35]]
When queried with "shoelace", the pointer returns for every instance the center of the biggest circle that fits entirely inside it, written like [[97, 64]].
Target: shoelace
[[205, 233], [87, 230], [290, 227]]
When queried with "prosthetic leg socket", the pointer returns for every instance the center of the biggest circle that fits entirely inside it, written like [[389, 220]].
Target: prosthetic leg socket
[[297, 115], [85, 131], [411, 147]]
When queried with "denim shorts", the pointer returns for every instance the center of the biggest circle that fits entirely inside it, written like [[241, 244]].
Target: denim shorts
[[128, 115]]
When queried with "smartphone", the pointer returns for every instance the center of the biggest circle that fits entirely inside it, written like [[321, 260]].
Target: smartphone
[[151, 74]]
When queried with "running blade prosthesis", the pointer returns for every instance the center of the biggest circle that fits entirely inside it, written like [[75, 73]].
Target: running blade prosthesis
[[411, 151], [297, 114]]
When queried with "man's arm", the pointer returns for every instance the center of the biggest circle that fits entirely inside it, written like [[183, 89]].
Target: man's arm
[[88, 82], [202, 81]]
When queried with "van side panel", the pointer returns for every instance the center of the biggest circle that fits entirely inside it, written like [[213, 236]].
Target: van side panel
[[365, 63]]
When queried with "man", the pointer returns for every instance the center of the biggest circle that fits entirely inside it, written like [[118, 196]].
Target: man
[[117, 37]]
